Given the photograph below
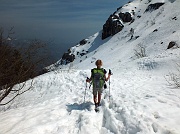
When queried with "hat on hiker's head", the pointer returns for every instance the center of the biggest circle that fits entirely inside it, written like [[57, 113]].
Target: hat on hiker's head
[[98, 63]]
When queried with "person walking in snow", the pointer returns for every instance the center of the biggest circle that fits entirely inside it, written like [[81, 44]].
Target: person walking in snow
[[131, 33], [98, 78]]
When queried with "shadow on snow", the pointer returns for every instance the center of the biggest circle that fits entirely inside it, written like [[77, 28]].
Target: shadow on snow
[[82, 106]]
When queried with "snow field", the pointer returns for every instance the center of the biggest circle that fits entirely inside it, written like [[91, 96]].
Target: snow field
[[53, 108], [134, 107]]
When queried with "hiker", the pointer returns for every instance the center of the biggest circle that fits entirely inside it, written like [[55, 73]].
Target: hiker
[[98, 78], [131, 33]]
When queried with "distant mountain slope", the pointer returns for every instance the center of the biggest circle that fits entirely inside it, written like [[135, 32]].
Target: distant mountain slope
[[155, 24]]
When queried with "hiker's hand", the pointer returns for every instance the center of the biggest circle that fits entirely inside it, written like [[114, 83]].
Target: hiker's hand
[[110, 73], [88, 80]]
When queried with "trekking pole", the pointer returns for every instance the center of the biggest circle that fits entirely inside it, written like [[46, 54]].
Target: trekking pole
[[85, 91], [90, 85], [109, 90], [109, 84]]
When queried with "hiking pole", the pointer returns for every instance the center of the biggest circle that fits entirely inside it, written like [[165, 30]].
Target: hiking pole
[[85, 91], [109, 89], [109, 84], [90, 85]]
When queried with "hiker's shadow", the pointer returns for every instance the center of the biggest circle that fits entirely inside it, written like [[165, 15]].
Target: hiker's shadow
[[82, 106]]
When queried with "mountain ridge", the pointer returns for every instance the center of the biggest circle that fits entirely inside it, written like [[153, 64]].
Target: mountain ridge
[[151, 25]]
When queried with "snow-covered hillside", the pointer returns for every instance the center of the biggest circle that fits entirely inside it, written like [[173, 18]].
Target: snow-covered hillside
[[141, 99]]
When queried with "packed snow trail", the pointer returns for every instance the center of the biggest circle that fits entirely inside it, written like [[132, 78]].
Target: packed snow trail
[[58, 106]]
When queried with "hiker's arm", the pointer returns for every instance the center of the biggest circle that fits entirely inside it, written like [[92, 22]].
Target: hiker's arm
[[89, 80], [106, 79]]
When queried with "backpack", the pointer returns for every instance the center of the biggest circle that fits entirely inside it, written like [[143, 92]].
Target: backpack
[[98, 77]]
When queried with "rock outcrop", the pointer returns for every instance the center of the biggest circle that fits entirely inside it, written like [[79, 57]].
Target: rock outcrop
[[125, 17], [153, 7], [114, 24], [172, 44], [67, 58]]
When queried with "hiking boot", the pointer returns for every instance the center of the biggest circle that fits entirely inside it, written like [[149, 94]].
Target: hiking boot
[[96, 104]]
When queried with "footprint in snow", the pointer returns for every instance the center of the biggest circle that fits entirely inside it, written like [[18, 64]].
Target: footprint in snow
[[156, 115], [162, 101]]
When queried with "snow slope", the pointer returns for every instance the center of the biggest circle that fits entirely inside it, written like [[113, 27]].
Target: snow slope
[[141, 99]]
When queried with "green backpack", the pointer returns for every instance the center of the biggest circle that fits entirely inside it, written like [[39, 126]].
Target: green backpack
[[98, 77]]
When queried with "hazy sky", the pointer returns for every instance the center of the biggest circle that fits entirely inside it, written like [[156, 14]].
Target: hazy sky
[[65, 22]]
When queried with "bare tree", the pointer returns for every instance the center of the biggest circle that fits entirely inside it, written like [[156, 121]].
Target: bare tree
[[173, 79], [140, 52], [18, 65]]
